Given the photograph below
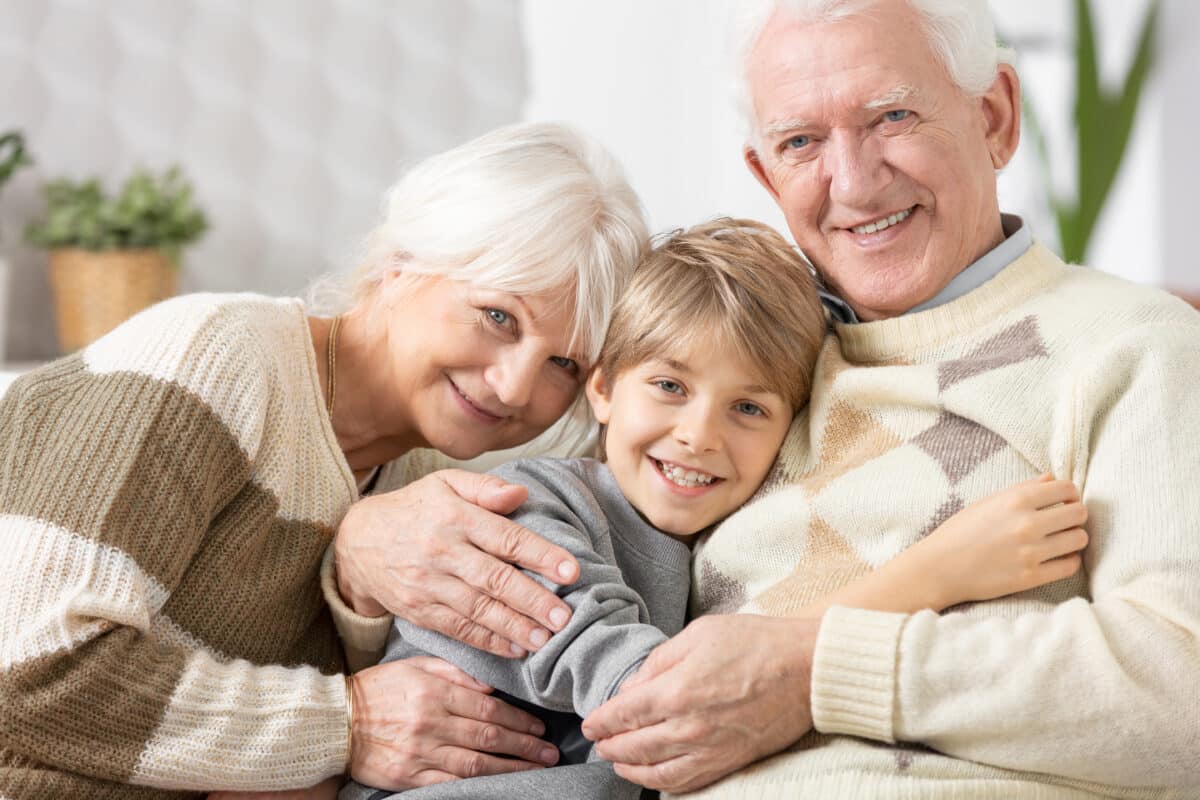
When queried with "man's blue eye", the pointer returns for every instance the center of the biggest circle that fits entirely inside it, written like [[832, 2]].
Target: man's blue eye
[[897, 115], [499, 317], [797, 142]]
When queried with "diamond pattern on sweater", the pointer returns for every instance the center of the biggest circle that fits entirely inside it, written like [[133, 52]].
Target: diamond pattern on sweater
[[828, 562], [722, 594], [1017, 343], [958, 445], [852, 438], [952, 506]]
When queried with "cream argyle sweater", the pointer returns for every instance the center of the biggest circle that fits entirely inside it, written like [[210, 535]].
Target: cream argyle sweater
[[1090, 686], [165, 500]]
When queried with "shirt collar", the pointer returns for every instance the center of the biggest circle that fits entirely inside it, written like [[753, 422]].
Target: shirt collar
[[1017, 239]]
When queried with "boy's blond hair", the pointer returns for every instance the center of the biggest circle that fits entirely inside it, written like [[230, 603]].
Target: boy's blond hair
[[729, 281]]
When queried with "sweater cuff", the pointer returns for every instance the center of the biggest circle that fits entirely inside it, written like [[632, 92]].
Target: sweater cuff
[[363, 638], [854, 673]]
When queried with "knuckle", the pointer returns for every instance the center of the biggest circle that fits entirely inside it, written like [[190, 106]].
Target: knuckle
[[489, 738], [460, 628], [511, 540], [482, 605], [473, 765], [499, 579], [488, 709]]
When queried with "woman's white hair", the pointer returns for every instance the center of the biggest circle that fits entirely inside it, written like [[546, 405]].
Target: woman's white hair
[[525, 209], [961, 34]]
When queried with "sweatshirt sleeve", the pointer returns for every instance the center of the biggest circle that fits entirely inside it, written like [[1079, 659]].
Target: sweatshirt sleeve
[[1102, 689], [109, 481], [608, 635]]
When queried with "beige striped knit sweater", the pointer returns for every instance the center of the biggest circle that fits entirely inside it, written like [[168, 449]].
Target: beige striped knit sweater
[[165, 500], [1087, 687]]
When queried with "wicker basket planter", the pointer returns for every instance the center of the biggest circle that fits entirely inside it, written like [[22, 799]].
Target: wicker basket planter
[[95, 292]]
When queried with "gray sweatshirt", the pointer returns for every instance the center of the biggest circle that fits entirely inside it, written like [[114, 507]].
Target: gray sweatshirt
[[630, 597]]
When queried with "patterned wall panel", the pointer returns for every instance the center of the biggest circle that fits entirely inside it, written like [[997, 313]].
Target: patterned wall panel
[[290, 117]]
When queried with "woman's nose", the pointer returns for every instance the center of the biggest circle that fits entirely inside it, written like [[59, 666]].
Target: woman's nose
[[514, 377]]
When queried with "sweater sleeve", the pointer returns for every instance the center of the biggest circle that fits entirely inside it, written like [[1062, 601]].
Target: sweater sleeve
[[109, 481], [608, 635], [1102, 689]]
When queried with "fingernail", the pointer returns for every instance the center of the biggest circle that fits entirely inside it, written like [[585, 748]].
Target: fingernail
[[566, 569], [517, 650], [558, 617], [539, 637], [549, 755], [537, 728]]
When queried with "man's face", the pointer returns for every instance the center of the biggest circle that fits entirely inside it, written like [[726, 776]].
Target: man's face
[[883, 166]]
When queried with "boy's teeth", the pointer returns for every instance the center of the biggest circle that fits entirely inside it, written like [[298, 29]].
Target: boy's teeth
[[684, 477], [880, 224]]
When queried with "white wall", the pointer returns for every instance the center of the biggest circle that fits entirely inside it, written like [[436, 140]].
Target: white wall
[[650, 80]]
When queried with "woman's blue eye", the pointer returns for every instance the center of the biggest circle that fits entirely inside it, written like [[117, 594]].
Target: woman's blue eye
[[750, 410], [670, 387], [566, 363], [499, 317], [897, 115]]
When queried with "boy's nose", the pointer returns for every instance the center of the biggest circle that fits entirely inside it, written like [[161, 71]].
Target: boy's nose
[[698, 430]]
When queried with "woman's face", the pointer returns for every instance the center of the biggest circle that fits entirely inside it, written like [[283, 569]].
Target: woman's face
[[476, 369]]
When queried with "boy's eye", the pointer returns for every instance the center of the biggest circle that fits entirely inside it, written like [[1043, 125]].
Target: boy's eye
[[670, 387], [565, 363], [897, 115], [750, 409]]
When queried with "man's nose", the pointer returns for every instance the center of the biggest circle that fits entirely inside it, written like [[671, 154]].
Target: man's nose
[[855, 168]]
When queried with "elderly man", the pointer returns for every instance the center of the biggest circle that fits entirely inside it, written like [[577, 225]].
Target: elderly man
[[966, 358]]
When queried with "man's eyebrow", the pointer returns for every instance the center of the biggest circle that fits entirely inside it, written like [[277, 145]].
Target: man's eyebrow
[[898, 95], [786, 126]]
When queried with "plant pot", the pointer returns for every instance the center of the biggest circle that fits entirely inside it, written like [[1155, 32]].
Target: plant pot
[[95, 292]]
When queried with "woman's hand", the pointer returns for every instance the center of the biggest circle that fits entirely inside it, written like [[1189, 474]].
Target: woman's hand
[[422, 721], [438, 554], [325, 790], [1011, 541]]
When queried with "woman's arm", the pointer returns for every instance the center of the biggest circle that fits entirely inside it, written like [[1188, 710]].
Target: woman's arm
[[1014, 540]]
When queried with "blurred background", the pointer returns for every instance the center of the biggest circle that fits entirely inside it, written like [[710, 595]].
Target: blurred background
[[289, 119]]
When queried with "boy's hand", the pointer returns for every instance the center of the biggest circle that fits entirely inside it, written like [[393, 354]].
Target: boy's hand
[[1011, 541]]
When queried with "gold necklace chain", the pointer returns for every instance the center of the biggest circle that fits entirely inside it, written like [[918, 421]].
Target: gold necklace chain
[[331, 365]]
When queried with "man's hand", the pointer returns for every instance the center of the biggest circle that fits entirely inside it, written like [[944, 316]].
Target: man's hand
[[421, 721], [725, 692], [438, 554]]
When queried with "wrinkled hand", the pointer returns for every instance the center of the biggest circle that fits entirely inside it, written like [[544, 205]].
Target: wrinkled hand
[[725, 692], [422, 721], [437, 554], [325, 790]]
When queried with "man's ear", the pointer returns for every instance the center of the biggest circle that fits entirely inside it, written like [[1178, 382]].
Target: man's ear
[[1001, 105], [599, 395], [755, 165]]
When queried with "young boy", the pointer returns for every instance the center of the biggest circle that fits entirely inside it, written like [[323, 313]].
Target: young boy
[[709, 355]]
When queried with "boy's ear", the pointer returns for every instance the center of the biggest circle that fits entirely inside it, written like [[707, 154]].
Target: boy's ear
[[599, 395]]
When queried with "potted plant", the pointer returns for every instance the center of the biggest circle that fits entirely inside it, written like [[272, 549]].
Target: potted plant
[[12, 158], [110, 257]]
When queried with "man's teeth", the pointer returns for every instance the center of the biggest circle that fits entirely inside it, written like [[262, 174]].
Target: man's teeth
[[886, 222], [684, 477]]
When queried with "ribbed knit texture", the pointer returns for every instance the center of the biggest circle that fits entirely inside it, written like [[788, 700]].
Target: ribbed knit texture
[[166, 497], [1086, 687]]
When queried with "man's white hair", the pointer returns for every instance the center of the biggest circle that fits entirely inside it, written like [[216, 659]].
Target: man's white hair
[[525, 209], [961, 34]]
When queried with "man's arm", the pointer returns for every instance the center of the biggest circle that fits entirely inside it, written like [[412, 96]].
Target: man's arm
[[1104, 691]]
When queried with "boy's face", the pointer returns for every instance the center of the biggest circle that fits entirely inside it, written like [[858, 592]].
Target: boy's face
[[689, 438]]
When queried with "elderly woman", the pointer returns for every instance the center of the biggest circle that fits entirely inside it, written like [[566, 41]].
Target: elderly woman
[[167, 494]]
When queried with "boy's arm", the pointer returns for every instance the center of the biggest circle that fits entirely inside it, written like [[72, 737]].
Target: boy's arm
[[608, 635], [1018, 538]]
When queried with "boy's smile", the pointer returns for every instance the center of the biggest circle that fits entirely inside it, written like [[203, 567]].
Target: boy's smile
[[689, 439]]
